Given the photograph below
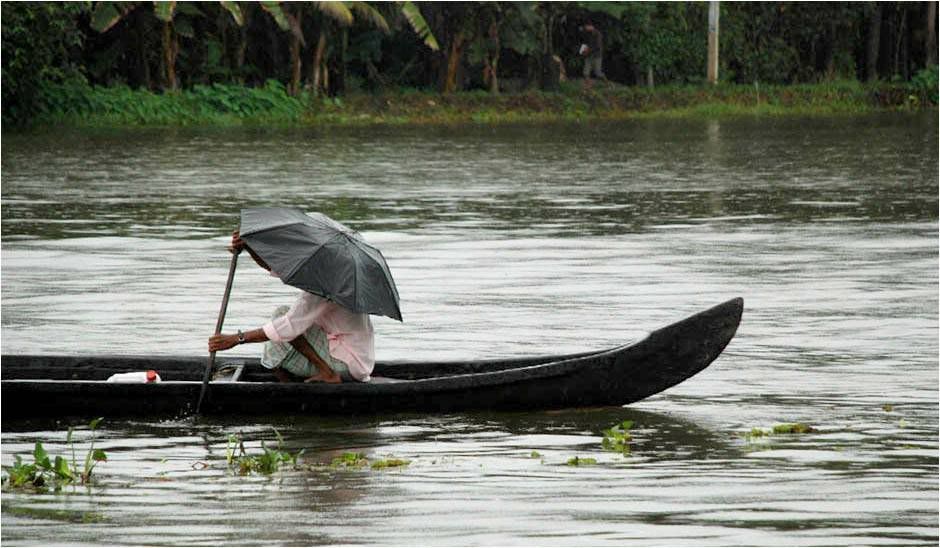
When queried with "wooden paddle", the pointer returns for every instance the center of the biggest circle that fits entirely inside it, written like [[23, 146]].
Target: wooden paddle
[[218, 328]]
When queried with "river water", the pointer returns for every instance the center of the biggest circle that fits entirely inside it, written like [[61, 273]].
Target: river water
[[506, 242]]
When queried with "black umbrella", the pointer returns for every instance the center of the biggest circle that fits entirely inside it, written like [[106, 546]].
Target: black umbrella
[[319, 255]]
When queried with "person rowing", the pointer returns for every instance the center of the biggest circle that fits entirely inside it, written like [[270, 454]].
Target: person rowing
[[315, 339]]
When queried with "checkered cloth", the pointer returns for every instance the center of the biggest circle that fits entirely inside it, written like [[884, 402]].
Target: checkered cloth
[[284, 356]]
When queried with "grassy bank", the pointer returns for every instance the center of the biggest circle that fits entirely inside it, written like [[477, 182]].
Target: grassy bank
[[227, 105]]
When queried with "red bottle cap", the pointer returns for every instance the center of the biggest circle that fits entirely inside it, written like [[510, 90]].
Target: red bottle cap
[[151, 375]]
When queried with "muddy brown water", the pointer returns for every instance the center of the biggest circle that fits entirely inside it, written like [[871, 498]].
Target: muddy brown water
[[506, 242]]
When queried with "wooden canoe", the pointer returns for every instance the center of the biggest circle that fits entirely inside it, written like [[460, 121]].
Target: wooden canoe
[[53, 386]]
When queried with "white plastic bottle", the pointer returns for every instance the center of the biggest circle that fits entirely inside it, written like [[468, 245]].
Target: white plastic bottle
[[136, 376]]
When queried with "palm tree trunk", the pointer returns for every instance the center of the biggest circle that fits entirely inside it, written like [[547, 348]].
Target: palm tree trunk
[[142, 60], [317, 68], [170, 49], [492, 45], [339, 87], [899, 41], [829, 51], [296, 64], [873, 43], [242, 46], [489, 74], [453, 63]]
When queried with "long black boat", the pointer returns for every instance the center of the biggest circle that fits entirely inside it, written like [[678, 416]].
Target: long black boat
[[44, 386]]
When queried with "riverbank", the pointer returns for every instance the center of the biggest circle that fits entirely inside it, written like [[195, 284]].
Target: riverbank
[[271, 105]]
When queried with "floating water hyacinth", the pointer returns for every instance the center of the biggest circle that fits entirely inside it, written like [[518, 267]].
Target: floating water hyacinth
[[779, 429], [350, 459], [757, 433], [581, 461], [57, 472], [793, 428], [617, 438], [267, 462], [389, 463]]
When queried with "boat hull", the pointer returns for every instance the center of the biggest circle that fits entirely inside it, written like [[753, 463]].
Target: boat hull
[[43, 386]]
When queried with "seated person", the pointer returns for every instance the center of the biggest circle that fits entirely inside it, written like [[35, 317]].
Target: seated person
[[315, 340]]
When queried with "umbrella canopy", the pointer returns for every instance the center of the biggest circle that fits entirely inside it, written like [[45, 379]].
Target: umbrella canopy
[[319, 255]]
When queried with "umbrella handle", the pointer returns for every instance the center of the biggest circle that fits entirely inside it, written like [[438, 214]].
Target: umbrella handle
[[218, 328]]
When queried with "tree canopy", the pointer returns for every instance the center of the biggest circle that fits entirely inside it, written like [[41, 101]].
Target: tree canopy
[[337, 47]]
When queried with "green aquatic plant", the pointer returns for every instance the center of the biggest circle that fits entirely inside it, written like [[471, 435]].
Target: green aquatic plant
[[535, 455], [47, 471], [756, 433], [617, 438], [92, 457], [793, 428], [579, 461], [778, 429], [267, 462], [389, 463], [887, 407], [350, 459], [22, 474], [357, 460]]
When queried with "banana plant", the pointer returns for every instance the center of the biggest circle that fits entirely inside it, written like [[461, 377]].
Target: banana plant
[[289, 17], [418, 24], [105, 15]]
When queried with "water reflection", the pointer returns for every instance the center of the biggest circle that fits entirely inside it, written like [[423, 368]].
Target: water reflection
[[556, 181]]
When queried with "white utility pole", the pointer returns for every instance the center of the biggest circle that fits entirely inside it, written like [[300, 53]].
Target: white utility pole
[[713, 42]]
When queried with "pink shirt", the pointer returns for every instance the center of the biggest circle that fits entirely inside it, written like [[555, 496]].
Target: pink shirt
[[350, 334]]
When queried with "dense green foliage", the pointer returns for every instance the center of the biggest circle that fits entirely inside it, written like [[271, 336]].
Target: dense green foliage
[[41, 44], [216, 104], [228, 104], [269, 60]]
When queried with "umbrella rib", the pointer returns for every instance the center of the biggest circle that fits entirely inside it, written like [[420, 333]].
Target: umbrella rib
[[301, 265], [355, 285], [310, 258], [275, 227], [355, 260], [389, 287], [346, 246]]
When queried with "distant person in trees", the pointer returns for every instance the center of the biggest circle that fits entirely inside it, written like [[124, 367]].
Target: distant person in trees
[[593, 52]]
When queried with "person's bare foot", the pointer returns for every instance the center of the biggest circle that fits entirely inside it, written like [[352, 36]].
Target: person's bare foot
[[329, 378]]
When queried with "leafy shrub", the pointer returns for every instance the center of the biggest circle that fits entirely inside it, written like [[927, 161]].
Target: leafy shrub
[[924, 84], [217, 103]]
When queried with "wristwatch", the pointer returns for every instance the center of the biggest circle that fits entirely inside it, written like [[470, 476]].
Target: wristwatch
[[241, 337]]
